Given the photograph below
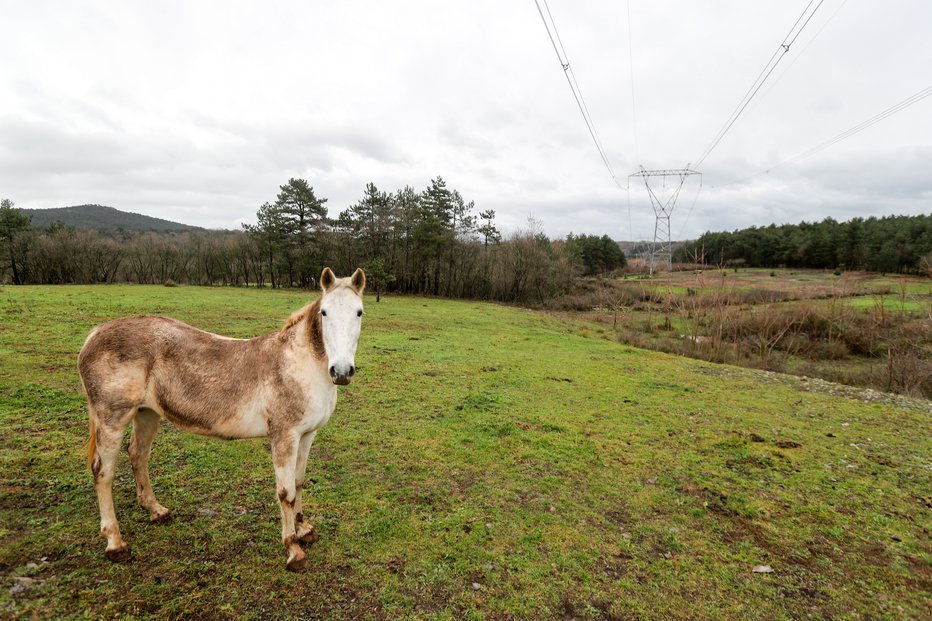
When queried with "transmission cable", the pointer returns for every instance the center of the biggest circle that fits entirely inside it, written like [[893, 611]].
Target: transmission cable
[[775, 59], [894, 109], [690, 212], [634, 110], [799, 55], [574, 86]]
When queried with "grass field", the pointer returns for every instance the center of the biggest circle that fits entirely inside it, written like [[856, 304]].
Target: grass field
[[488, 462]]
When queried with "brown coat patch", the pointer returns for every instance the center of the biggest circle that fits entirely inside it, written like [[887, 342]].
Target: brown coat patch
[[314, 330]]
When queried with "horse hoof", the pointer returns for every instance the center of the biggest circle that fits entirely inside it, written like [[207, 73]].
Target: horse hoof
[[298, 565], [160, 518], [309, 538], [119, 555]]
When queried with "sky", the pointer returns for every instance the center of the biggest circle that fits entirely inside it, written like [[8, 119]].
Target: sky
[[198, 111]]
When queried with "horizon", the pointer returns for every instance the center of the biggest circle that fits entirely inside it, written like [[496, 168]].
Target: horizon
[[635, 242]]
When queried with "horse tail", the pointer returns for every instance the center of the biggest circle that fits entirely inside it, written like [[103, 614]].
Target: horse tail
[[91, 443]]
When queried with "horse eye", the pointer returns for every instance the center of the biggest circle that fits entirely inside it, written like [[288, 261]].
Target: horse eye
[[323, 313], [359, 313]]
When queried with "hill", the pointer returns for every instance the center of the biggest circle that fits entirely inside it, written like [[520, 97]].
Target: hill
[[101, 218]]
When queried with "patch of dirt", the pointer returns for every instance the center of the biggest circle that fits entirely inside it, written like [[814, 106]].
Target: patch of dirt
[[575, 611], [714, 501], [746, 463], [882, 460]]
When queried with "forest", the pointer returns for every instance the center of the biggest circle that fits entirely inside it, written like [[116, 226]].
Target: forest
[[431, 242], [419, 242], [893, 244]]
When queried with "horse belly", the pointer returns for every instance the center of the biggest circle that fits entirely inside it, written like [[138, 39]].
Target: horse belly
[[250, 422], [211, 414]]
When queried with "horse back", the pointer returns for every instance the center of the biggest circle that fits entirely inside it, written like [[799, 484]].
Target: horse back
[[200, 381]]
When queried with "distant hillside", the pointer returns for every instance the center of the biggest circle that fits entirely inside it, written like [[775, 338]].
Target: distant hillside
[[101, 218], [635, 248]]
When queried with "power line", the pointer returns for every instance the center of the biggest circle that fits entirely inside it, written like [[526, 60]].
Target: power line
[[574, 86], [690, 212], [848, 133], [569, 71], [802, 51], [864, 125], [634, 113], [775, 59]]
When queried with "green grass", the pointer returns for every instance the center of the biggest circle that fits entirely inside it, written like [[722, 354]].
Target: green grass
[[892, 303], [563, 474]]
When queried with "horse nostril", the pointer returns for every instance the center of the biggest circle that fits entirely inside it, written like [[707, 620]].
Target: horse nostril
[[352, 370], [333, 371]]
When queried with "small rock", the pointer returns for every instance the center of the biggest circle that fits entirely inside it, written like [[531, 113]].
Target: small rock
[[31, 565], [488, 567], [476, 586], [208, 512], [896, 538], [22, 583], [27, 582], [652, 480], [763, 569]]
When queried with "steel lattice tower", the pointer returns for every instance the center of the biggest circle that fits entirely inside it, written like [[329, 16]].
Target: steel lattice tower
[[662, 247]]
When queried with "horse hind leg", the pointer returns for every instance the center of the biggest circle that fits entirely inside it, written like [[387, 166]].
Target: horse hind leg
[[107, 428], [145, 426]]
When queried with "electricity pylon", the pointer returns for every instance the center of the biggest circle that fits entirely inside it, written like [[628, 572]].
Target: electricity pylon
[[662, 247]]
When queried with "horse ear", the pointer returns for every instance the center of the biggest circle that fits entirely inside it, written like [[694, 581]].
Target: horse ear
[[327, 279], [359, 280]]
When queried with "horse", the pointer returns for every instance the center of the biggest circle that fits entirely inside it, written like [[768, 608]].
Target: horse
[[281, 385]]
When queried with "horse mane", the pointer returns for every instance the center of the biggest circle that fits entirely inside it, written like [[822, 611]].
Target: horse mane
[[315, 330]]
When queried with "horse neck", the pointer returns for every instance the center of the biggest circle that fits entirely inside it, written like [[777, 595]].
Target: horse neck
[[304, 330]]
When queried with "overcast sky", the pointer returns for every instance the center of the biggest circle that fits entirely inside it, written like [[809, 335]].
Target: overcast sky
[[198, 111]]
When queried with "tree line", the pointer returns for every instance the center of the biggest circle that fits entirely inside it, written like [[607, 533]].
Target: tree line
[[898, 244], [431, 242]]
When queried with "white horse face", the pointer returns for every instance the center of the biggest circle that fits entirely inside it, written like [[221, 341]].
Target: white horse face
[[341, 320]]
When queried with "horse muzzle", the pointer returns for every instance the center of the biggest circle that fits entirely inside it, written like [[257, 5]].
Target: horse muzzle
[[342, 376]]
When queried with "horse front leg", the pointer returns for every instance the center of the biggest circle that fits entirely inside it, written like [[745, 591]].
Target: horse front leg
[[285, 448], [305, 531]]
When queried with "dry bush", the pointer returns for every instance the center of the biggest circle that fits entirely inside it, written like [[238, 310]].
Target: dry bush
[[908, 368], [757, 328]]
